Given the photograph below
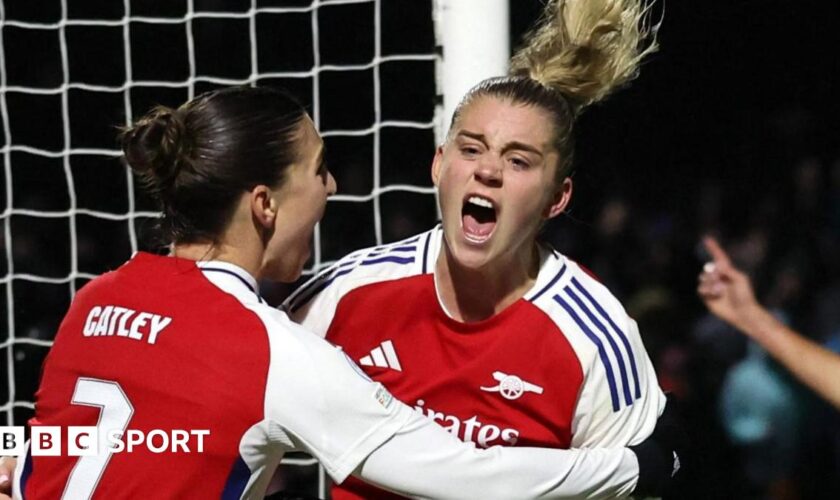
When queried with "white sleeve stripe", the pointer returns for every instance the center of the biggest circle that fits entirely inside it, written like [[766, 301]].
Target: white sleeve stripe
[[408, 248]]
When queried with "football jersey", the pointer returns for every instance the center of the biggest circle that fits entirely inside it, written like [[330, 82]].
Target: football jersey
[[562, 367], [168, 344]]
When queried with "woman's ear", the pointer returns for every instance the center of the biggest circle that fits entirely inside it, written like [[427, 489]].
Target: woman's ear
[[559, 200], [263, 205], [436, 165]]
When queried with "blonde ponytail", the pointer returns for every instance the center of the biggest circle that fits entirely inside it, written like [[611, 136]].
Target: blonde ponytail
[[585, 49], [580, 52]]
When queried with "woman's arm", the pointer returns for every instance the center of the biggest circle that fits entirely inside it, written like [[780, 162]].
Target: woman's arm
[[729, 295]]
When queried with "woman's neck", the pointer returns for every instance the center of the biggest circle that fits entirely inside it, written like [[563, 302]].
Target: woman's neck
[[221, 252], [242, 243], [471, 295]]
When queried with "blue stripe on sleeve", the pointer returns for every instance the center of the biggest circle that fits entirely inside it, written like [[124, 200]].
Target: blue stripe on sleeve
[[237, 480], [306, 296], [618, 332], [388, 258], [426, 252], [601, 352], [326, 279], [550, 284], [296, 296], [378, 255], [618, 356], [26, 472]]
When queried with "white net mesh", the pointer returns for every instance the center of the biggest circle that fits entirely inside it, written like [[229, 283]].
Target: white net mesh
[[71, 70]]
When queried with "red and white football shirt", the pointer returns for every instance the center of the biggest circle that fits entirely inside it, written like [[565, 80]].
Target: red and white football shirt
[[562, 367], [162, 343]]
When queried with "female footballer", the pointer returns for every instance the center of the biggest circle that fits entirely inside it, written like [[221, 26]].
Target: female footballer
[[479, 326]]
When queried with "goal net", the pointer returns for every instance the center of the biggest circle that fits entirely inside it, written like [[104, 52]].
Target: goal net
[[73, 70]]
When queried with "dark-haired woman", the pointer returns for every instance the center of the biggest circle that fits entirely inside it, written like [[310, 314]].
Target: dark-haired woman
[[192, 387], [495, 336]]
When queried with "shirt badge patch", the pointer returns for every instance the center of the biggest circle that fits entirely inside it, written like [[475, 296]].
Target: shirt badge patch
[[512, 387], [383, 397]]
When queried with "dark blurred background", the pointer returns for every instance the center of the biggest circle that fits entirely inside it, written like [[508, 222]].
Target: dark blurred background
[[731, 129]]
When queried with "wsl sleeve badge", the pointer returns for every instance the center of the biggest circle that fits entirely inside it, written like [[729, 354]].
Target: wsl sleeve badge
[[380, 394], [383, 397]]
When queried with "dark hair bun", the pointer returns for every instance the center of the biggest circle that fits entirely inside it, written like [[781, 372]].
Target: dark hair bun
[[197, 161], [156, 146]]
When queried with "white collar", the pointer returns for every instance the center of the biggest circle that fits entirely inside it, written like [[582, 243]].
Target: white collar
[[230, 269]]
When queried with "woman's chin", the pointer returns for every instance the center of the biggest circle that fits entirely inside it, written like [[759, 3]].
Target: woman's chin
[[282, 272], [470, 258], [290, 275]]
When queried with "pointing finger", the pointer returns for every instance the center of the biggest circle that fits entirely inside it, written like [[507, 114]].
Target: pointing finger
[[719, 256]]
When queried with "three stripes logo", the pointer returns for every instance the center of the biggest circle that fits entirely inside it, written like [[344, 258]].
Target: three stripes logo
[[383, 356], [614, 349]]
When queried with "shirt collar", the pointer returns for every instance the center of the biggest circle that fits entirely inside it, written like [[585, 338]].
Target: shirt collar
[[233, 269]]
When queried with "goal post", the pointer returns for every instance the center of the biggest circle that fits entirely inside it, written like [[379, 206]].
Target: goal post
[[474, 35]]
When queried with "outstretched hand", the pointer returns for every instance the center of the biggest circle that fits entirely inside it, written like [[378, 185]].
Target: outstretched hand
[[726, 291]]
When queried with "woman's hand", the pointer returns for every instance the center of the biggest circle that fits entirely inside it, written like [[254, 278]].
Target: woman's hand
[[7, 470], [727, 291]]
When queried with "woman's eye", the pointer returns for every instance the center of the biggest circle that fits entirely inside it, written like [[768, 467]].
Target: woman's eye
[[519, 163]]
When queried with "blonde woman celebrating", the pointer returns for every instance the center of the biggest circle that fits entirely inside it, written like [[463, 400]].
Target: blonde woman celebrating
[[478, 325]]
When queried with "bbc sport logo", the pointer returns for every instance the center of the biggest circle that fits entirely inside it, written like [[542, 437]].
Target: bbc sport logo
[[90, 441]]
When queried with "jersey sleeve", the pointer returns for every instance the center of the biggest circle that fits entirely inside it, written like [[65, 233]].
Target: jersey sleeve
[[319, 402], [313, 305], [423, 459], [619, 400], [619, 408]]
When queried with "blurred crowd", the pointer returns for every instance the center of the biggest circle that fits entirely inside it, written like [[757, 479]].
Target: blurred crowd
[[759, 433]]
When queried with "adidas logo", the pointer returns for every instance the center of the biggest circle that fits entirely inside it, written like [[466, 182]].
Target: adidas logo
[[383, 356]]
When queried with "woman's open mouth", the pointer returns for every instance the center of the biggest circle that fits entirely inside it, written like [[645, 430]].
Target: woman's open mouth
[[478, 218]]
